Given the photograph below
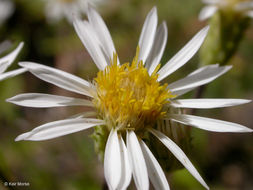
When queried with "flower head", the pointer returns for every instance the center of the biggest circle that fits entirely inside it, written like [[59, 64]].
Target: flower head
[[130, 101], [7, 60], [127, 97], [241, 7]]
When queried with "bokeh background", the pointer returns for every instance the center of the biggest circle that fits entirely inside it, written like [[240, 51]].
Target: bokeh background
[[224, 160]]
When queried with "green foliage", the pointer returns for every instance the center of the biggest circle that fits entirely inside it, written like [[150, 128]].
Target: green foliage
[[100, 136], [226, 32]]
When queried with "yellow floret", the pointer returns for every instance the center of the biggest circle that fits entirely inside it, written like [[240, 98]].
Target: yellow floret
[[128, 97]]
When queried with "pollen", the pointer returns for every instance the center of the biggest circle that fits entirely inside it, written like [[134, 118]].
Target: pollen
[[127, 97]]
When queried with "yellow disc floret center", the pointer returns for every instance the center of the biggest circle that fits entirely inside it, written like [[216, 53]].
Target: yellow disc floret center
[[127, 97]]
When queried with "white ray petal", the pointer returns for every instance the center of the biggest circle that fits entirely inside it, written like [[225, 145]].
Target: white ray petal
[[207, 103], [13, 73], [179, 154], [54, 11], [201, 69], [84, 115], [112, 161], [59, 128], [5, 45], [126, 171], [39, 100], [184, 55], [249, 14], [102, 32], [6, 10], [207, 12], [198, 79], [59, 78], [155, 171], [157, 50], [137, 161], [244, 6], [209, 124], [181, 92], [148, 34], [89, 40], [7, 60], [212, 2]]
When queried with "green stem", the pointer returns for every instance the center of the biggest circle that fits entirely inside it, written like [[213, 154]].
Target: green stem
[[226, 32]]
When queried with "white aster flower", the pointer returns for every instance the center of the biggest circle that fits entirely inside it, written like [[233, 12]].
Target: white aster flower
[[6, 10], [7, 60], [55, 10], [244, 7], [129, 100]]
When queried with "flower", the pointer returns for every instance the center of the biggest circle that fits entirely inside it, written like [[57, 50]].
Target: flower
[[244, 7], [6, 10], [7, 60], [55, 10], [129, 101]]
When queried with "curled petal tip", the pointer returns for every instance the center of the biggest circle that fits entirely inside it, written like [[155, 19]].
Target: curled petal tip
[[207, 27], [21, 44], [8, 100], [246, 101], [248, 130], [22, 64], [18, 138], [22, 136], [229, 66]]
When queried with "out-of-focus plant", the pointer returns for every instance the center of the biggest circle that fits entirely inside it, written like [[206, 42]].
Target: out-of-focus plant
[[228, 21], [55, 10], [6, 10]]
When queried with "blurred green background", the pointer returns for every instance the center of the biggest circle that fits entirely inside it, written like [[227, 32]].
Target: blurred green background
[[225, 161]]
